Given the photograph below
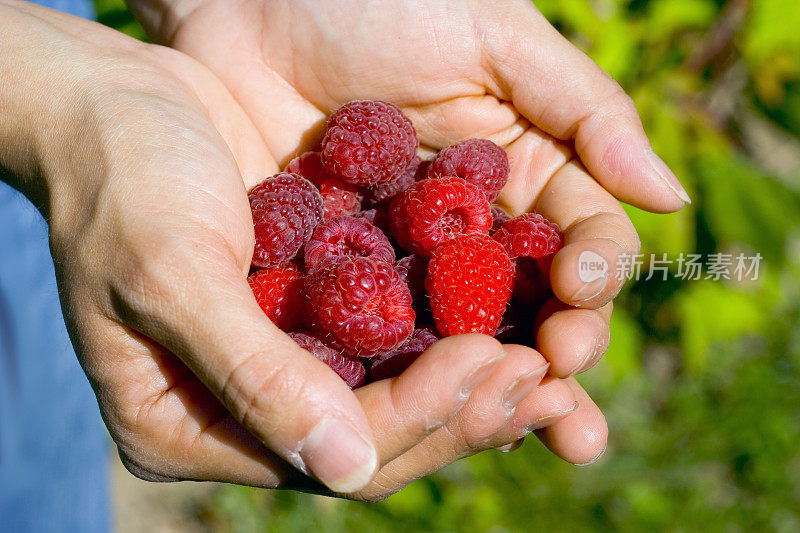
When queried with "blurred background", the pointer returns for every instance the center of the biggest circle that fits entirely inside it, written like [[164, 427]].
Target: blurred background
[[701, 385]]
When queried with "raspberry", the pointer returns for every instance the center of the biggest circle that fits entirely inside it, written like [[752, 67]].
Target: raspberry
[[286, 208], [358, 305], [279, 293], [350, 369], [347, 236], [340, 198], [530, 235], [394, 363], [368, 142], [532, 241], [412, 270], [434, 211], [384, 192], [478, 161], [469, 283], [499, 217]]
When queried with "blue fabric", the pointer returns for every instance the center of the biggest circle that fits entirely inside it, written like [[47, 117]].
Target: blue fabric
[[53, 448]]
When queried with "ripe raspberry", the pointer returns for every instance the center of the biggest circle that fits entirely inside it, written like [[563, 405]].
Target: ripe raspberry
[[478, 161], [279, 293], [532, 241], [469, 282], [431, 212], [530, 235], [394, 363], [499, 217], [340, 198], [350, 369], [347, 236], [368, 142], [412, 269], [384, 192], [358, 305], [286, 208]]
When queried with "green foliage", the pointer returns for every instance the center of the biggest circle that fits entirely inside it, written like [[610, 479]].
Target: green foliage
[[701, 384]]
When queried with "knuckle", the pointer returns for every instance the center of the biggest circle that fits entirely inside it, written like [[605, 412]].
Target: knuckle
[[254, 388], [145, 469]]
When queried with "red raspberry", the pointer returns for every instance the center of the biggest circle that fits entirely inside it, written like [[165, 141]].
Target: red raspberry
[[394, 363], [479, 161], [384, 192], [358, 305], [286, 208], [412, 270], [350, 369], [279, 293], [499, 217], [532, 241], [347, 236], [340, 198], [368, 142], [469, 282], [530, 235], [431, 212]]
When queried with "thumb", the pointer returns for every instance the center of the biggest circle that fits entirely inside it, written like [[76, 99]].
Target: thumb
[[283, 395], [563, 92]]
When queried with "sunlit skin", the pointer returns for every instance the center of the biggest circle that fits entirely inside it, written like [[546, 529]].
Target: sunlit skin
[[144, 158]]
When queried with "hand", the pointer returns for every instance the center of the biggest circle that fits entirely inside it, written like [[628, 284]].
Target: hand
[[461, 70], [138, 157]]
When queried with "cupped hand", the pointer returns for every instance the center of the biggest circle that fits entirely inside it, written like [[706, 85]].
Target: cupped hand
[[139, 158], [467, 69]]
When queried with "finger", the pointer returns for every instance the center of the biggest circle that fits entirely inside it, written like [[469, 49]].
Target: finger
[[404, 410], [588, 270], [562, 91], [288, 399], [580, 438], [572, 339], [486, 421]]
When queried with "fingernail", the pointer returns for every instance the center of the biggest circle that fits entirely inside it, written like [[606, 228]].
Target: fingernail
[[338, 455], [626, 156], [663, 171], [522, 387], [546, 420], [586, 358], [589, 290], [479, 375], [596, 458]]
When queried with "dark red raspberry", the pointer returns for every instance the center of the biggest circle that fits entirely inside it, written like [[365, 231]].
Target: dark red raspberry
[[350, 369], [532, 241], [358, 305], [340, 198], [286, 208], [279, 293], [368, 142], [431, 212], [384, 192], [499, 217], [412, 270], [469, 283], [347, 236], [394, 363], [479, 161]]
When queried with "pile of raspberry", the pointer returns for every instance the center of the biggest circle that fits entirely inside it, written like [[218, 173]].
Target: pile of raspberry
[[367, 255]]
